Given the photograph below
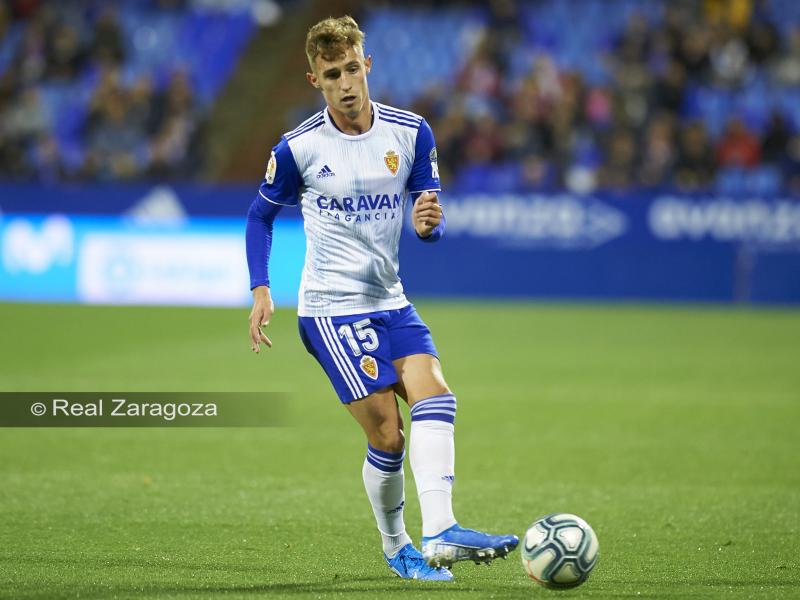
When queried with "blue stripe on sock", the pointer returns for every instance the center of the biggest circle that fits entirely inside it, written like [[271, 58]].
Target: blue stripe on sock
[[386, 455], [385, 463], [435, 417], [389, 462], [420, 416], [440, 398], [435, 408], [385, 468], [443, 407], [419, 406]]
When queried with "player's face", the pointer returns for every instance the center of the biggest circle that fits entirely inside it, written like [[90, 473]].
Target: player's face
[[343, 81]]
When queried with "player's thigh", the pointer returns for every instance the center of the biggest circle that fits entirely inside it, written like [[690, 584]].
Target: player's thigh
[[414, 355], [419, 376], [379, 417]]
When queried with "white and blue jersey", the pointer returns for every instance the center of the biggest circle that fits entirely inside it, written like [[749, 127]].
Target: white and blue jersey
[[352, 190]]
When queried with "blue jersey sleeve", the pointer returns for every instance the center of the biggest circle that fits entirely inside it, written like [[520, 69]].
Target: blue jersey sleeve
[[425, 170], [282, 181], [258, 240]]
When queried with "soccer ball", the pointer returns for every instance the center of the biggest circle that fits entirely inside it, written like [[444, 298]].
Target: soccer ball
[[559, 551]]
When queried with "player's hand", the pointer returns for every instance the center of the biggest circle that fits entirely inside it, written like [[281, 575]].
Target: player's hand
[[260, 316], [427, 213]]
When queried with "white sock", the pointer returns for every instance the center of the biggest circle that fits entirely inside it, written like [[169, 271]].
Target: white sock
[[384, 482], [433, 460]]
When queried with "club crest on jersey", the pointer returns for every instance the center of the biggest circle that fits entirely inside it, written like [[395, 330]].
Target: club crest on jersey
[[392, 161], [271, 168], [370, 367]]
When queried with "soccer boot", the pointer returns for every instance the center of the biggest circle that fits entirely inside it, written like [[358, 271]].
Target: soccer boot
[[457, 543], [409, 564]]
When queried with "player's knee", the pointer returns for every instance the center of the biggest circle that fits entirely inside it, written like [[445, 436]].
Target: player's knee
[[388, 437]]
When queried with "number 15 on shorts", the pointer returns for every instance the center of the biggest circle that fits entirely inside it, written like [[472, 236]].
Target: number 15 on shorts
[[365, 334]]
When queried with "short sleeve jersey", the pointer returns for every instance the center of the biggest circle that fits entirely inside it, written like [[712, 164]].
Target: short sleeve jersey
[[352, 191]]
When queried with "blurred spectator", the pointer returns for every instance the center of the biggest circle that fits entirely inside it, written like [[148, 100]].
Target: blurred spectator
[[786, 69], [107, 45], [5, 20], [792, 165], [738, 147], [178, 127], [143, 112], [30, 62], [47, 165], [763, 42], [659, 154], [483, 143], [776, 139], [695, 168], [114, 140], [693, 52], [729, 58], [65, 54], [733, 13], [26, 118], [618, 171], [670, 89], [480, 79]]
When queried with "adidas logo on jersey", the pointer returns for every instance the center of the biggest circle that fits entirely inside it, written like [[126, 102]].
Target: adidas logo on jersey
[[325, 172]]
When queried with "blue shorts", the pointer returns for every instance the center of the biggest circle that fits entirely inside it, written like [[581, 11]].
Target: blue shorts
[[356, 351]]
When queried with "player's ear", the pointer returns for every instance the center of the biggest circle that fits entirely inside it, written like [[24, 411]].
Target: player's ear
[[312, 79], [368, 63]]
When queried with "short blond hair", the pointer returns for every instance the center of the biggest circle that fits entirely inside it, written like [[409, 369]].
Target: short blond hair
[[332, 38]]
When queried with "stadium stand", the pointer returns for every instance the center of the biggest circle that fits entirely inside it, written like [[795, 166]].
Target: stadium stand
[[539, 95], [112, 90], [532, 95]]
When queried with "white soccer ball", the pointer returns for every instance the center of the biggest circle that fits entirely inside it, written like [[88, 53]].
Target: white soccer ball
[[559, 551]]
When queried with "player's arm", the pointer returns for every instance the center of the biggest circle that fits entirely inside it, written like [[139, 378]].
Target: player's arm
[[280, 187], [423, 183], [258, 242]]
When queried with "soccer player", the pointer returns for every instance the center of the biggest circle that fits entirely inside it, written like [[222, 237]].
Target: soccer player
[[351, 167]]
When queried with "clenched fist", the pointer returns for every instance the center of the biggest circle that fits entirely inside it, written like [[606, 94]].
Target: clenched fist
[[427, 213]]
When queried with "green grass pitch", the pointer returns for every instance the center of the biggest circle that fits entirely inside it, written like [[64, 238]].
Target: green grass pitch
[[674, 431]]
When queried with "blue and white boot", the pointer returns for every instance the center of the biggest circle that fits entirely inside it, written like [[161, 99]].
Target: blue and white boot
[[457, 543], [409, 564]]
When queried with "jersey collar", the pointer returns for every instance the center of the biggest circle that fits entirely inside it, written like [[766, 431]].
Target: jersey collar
[[347, 136]]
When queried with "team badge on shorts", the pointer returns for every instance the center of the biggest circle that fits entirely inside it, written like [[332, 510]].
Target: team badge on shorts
[[370, 367], [392, 161]]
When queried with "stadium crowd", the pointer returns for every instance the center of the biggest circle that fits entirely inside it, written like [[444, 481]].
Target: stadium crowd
[[126, 127], [498, 129], [551, 128]]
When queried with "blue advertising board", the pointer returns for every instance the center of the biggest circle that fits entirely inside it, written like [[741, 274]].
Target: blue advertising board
[[185, 245], [655, 248]]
